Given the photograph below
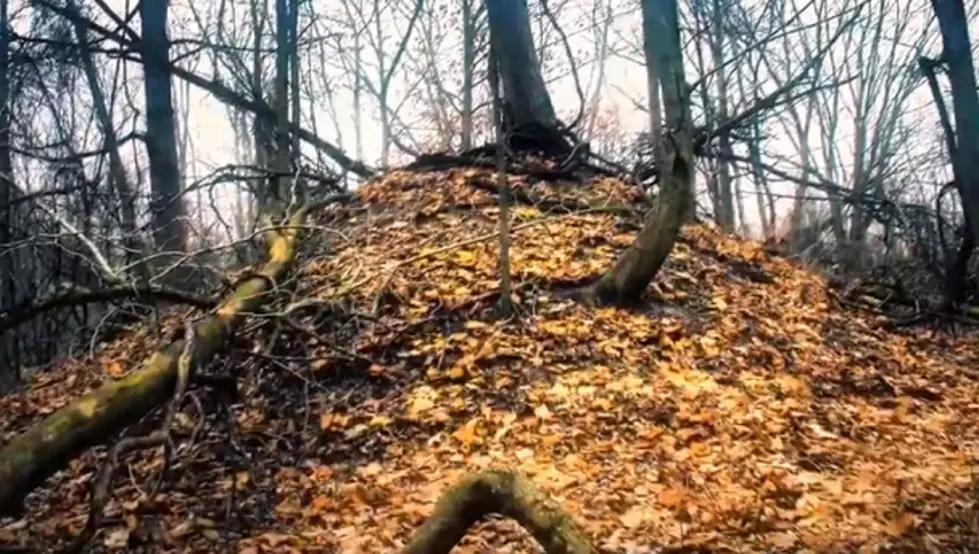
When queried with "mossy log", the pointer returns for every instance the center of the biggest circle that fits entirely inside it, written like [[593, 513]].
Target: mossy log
[[33, 456], [498, 492]]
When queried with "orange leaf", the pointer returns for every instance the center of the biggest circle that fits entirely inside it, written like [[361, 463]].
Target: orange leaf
[[467, 433]]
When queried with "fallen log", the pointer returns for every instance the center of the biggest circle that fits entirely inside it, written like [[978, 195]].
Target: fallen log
[[33, 456], [498, 492]]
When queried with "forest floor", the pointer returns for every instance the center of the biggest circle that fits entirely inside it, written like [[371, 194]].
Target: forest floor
[[741, 409]]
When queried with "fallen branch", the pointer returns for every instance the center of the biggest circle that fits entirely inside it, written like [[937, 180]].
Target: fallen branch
[[78, 296], [498, 492], [31, 457]]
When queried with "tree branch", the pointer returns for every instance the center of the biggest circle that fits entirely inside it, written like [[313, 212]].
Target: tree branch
[[78, 296]]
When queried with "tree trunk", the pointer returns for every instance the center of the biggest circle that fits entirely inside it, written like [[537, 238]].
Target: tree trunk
[[505, 305], [262, 131], [294, 87], [468, 69], [627, 280], [955, 269], [601, 62], [9, 358], [952, 22], [166, 205], [724, 189], [117, 171], [528, 105], [31, 457], [357, 98], [279, 163]]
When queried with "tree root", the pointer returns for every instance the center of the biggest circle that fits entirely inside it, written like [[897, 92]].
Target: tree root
[[498, 492]]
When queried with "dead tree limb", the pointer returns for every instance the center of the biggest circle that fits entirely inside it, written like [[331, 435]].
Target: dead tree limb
[[77, 296], [31, 457], [498, 492]]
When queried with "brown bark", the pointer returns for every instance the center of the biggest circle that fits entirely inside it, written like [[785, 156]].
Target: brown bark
[[31, 457], [632, 273], [498, 492], [527, 101]]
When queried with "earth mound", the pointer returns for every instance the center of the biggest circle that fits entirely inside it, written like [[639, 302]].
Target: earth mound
[[741, 408]]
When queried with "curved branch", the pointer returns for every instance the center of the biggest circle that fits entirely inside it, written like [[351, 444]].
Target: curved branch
[[574, 66], [498, 492]]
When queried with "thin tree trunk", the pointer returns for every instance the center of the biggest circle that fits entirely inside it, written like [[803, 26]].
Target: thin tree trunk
[[263, 135], [468, 69], [357, 100], [117, 171], [506, 307], [279, 163], [724, 191], [594, 103], [294, 79]]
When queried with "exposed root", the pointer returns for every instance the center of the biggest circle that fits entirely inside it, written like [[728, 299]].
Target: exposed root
[[498, 492]]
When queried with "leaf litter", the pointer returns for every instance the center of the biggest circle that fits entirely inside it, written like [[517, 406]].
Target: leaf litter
[[741, 409]]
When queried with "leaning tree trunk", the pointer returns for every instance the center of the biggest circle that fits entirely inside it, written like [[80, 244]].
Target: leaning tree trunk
[[632, 273], [31, 457]]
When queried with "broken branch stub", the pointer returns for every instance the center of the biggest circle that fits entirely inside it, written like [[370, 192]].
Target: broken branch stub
[[498, 492], [36, 454]]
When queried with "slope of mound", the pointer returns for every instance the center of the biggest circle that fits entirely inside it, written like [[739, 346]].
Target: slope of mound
[[741, 409]]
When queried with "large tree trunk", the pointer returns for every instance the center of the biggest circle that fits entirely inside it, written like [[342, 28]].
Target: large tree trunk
[[31, 457], [965, 101], [166, 205], [628, 279], [529, 110], [957, 268]]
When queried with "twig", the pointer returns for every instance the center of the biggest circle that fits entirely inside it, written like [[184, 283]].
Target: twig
[[100, 491]]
